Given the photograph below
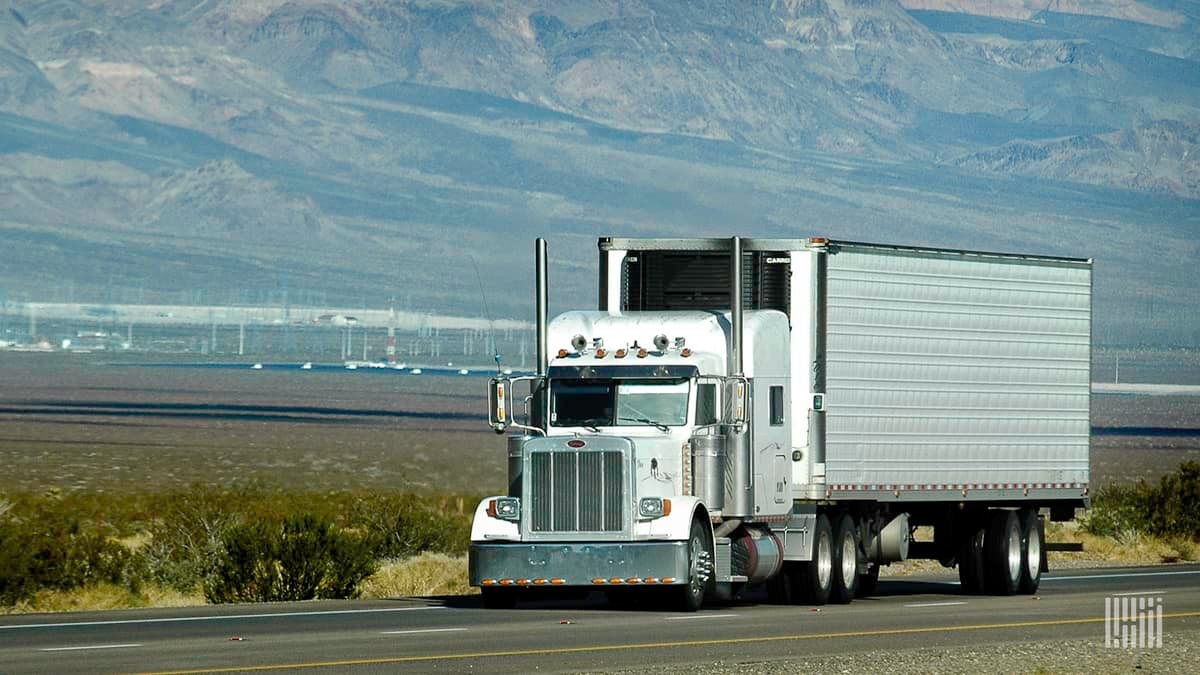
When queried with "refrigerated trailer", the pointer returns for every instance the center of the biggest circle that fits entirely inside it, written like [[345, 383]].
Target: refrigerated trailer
[[791, 413]]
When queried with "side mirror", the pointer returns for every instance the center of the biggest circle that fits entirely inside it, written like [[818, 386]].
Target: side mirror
[[499, 406]]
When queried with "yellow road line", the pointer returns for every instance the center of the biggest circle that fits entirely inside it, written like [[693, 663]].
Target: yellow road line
[[648, 645]]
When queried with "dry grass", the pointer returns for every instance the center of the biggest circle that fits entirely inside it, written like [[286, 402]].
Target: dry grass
[[103, 597], [421, 575], [1130, 547]]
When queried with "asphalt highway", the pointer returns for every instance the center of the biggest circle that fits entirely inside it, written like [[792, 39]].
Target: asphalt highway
[[457, 635]]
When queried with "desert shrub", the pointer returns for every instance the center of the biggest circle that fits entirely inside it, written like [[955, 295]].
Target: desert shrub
[[44, 546], [302, 557], [1118, 510], [1173, 506], [401, 526], [1167, 509]]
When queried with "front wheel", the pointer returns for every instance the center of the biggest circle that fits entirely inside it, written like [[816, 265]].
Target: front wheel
[[700, 569], [499, 598]]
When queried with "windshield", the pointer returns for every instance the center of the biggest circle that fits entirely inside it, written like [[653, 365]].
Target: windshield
[[605, 403]]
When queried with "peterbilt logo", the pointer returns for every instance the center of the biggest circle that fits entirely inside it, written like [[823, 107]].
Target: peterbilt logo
[[575, 443]]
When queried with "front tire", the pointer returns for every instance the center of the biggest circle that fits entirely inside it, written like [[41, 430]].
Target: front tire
[[700, 569], [498, 598]]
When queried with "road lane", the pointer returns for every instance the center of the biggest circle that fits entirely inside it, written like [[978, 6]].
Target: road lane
[[455, 634]]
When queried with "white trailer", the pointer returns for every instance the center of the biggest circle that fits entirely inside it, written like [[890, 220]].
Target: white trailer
[[787, 412]]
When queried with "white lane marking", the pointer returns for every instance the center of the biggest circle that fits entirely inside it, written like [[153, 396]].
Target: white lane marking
[[422, 630], [937, 604], [218, 617], [1141, 593], [76, 649], [698, 616], [1122, 576]]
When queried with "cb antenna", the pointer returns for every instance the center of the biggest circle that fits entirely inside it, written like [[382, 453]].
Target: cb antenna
[[488, 313]]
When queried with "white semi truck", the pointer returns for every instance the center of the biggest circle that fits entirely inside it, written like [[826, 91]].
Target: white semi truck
[[791, 412]]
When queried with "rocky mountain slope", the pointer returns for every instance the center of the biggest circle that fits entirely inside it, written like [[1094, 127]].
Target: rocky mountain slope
[[367, 151]]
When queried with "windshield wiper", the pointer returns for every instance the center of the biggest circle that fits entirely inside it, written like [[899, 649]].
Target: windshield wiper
[[645, 420]]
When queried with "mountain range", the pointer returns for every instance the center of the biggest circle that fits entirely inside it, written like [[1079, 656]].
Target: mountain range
[[372, 153]]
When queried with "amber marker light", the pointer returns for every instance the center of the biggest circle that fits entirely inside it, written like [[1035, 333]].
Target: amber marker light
[[685, 352], [668, 580], [557, 581], [620, 353], [562, 353], [642, 353], [600, 353], [651, 580], [633, 580], [488, 582], [599, 581]]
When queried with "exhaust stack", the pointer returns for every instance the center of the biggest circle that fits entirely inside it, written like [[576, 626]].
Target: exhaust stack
[[543, 302]]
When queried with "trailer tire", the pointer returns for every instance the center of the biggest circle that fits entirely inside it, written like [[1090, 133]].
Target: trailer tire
[[498, 598], [1003, 559], [1032, 550], [815, 577], [970, 558], [690, 596], [845, 561]]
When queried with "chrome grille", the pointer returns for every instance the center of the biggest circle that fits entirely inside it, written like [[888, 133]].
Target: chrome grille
[[576, 491]]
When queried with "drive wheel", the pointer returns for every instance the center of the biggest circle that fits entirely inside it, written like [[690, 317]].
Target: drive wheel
[[1032, 550], [700, 569], [1002, 553], [498, 598], [845, 561], [970, 558], [815, 577]]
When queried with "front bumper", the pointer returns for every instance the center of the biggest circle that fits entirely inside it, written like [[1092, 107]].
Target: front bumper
[[593, 564]]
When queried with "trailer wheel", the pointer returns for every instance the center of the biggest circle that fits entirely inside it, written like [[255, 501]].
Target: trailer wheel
[[498, 598], [1032, 550], [1002, 553], [700, 569], [970, 558], [845, 561], [815, 576]]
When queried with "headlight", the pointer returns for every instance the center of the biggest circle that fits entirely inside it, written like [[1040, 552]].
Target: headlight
[[654, 507], [505, 508]]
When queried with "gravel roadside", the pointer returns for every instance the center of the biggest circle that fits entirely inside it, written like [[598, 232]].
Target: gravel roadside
[[1180, 653]]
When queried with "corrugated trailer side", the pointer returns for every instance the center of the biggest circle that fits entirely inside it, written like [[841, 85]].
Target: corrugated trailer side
[[955, 375]]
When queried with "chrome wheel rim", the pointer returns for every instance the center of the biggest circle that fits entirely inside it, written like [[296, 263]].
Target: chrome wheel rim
[[1014, 553], [824, 561], [849, 560], [1033, 552]]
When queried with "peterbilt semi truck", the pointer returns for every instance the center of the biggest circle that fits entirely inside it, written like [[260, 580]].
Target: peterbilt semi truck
[[794, 414]]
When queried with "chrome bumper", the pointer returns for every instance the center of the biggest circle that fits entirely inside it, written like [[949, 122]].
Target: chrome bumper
[[577, 564]]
